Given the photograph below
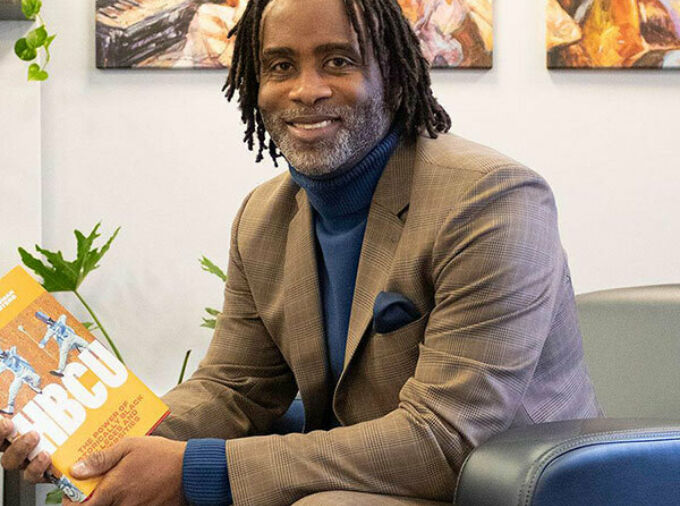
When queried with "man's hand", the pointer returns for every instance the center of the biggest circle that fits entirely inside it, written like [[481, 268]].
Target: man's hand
[[136, 471], [15, 455]]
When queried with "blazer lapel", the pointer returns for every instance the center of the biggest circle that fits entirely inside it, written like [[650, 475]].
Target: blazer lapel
[[302, 311], [383, 231]]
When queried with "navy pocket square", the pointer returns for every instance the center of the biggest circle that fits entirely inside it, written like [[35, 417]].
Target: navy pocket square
[[391, 311]]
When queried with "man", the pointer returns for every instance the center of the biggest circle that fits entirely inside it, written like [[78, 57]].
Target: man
[[65, 337], [411, 286], [24, 374]]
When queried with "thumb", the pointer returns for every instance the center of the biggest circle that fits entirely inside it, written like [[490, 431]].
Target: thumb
[[98, 463]]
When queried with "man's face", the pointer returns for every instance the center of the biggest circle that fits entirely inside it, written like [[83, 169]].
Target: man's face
[[324, 108]]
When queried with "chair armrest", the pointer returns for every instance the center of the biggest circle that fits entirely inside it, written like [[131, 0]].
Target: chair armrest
[[603, 461]]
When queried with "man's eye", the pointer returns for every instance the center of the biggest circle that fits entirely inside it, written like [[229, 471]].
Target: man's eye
[[339, 63], [282, 66]]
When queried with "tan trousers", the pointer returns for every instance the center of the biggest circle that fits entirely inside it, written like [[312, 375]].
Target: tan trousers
[[345, 498]]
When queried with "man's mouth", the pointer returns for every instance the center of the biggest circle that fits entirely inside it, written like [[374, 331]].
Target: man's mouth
[[313, 128]]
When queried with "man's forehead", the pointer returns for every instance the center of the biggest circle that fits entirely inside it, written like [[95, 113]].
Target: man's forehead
[[287, 23]]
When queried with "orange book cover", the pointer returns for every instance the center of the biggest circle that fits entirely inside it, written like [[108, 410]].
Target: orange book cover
[[57, 379]]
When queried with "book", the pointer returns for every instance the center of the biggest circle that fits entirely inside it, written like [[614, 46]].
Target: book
[[57, 379]]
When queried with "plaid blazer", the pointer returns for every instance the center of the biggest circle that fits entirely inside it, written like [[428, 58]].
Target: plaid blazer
[[467, 234]]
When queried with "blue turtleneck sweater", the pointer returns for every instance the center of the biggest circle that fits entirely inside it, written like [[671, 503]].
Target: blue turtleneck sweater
[[340, 204]]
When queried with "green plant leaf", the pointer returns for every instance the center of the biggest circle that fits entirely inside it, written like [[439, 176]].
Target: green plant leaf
[[35, 73], [54, 496], [209, 323], [62, 267], [36, 37], [210, 267], [88, 258], [55, 279], [49, 41], [64, 276], [90, 326], [184, 367], [24, 51], [31, 8]]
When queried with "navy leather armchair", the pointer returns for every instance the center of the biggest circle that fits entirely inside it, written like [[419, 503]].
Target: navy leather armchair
[[632, 345]]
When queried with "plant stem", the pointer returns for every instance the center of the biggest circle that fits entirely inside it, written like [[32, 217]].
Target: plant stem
[[184, 367], [47, 59], [101, 327], [47, 51]]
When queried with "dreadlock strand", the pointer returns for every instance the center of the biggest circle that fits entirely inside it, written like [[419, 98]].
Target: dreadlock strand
[[235, 75], [351, 10], [371, 17], [273, 152], [260, 138]]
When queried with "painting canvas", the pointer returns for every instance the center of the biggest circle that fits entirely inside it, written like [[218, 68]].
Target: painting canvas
[[193, 33], [453, 33], [11, 9], [613, 34]]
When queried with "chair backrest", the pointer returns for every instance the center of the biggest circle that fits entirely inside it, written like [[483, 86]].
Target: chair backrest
[[631, 339]]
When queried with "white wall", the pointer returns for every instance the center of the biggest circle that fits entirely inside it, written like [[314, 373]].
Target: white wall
[[160, 153], [20, 148]]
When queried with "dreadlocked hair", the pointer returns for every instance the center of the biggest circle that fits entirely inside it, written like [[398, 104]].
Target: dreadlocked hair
[[397, 50]]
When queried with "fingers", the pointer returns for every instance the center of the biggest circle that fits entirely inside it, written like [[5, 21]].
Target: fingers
[[17, 453], [99, 462], [102, 496], [35, 471], [6, 429]]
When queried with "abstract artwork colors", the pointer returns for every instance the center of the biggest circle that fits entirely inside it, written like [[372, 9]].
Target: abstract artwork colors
[[193, 33], [11, 9], [613, 34], [453, 33]]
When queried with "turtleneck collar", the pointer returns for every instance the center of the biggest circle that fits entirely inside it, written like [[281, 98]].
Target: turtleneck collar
[[350, 191]]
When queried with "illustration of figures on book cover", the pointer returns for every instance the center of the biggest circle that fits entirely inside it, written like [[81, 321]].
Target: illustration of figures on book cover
[[35, 349], [193, 33]]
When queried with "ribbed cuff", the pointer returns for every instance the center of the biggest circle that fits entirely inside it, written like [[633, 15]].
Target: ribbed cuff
[[205, 479]]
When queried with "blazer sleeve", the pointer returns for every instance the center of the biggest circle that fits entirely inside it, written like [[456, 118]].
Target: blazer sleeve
[[243, 384], [496, 266]]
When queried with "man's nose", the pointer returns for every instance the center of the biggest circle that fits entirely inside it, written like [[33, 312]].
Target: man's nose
[[310, 87]]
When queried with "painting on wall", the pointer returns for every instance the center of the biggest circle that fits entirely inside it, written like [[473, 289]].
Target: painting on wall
[[613, 34], [193, 33], [453, 33], [11, 9]]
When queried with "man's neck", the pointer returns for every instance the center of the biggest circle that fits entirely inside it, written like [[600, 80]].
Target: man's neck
[[348, 191]]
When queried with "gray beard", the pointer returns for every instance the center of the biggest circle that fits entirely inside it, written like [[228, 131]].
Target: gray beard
[[361, 129]]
